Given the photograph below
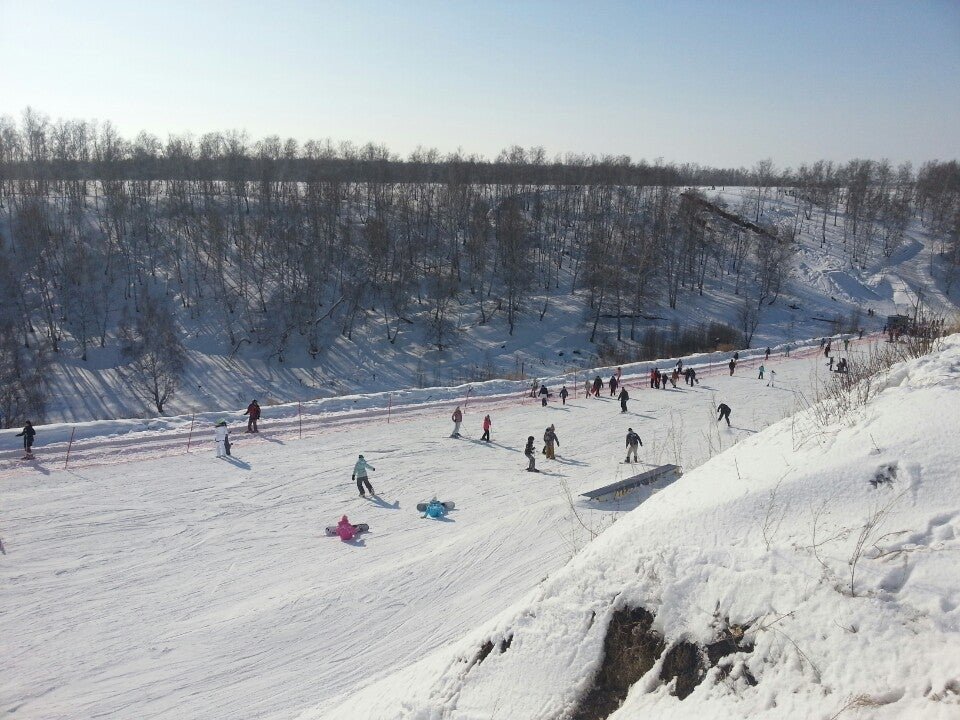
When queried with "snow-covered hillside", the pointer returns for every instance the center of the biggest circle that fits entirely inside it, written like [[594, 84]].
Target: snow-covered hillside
[[145, 581], [808, 572], [823, 287], [181, 586]]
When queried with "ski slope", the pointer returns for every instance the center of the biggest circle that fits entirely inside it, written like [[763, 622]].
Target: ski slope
[[832, 547], [181, 586]]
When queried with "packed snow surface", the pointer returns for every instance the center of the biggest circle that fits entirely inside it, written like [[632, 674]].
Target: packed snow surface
[[168, 584]]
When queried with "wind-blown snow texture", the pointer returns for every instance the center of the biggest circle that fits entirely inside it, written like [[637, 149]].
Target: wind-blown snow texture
[[180, 586]]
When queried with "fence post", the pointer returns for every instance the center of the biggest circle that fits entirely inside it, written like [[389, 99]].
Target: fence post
[[300, 417], [389, 406], [73, 432], [190, 436]]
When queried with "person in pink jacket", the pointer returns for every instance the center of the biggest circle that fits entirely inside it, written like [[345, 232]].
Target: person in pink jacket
[[487, 422], [345, 529]]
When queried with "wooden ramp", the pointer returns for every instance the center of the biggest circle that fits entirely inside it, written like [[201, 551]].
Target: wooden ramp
[[619, 489]]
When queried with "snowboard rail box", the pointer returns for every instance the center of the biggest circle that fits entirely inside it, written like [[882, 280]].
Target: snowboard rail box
[[619, 489]]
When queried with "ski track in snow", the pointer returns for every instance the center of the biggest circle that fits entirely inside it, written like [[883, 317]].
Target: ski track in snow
[[176, 585]]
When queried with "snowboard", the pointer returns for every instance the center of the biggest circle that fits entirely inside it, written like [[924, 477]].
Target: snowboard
[[422, 507], [331, 530], [226, 445]]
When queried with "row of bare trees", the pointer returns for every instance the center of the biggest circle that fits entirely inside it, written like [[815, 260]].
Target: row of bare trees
[[282, 246]]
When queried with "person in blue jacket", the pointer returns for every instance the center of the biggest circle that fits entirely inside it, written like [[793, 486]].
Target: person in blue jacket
[[360, 475]]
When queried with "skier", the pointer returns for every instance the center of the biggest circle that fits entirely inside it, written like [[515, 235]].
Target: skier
[[360, 475], [623, 397], [486, 428], [597, 386], [760, 376], [724, 411], [550, 439], [28, 434], [345, 529], [613, 385], [732, 365], [220, 433], [633, 442], [773, 376], [253, 410], [766, 355], [544, 394], [653, 378], [457, 418], [563, 394], [531, 456]]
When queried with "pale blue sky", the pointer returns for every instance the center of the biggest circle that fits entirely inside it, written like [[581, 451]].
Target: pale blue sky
[[721, 83]]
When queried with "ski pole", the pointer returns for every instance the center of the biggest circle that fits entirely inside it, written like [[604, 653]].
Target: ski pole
[[73, 432]]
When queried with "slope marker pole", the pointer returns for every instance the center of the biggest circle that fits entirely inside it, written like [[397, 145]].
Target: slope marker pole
[[73, 432], [190, 436]]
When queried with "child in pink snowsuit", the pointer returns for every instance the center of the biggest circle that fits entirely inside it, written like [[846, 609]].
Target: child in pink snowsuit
[[345, 530]]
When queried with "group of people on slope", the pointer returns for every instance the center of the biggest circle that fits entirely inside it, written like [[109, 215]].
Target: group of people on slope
[[221, 432]]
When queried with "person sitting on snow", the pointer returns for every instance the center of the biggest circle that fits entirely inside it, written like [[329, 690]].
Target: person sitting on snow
[[345, 529]]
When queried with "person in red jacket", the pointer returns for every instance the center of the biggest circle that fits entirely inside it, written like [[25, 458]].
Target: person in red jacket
[[253, 410], [486, 428]]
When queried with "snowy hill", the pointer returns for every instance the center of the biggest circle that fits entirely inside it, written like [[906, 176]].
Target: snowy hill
[[824, 293], [810, 571], [151, 581]]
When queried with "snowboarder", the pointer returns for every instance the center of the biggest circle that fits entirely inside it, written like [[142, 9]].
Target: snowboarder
[[663, 381], [826, 350], [533, 387], [486, 428], [859, 334], [619, 373], [550, 439], [653, 378], [633, 442], [831, 363], [563, 394], [846, 344], [736, 356], [253, 410], [613, 385], [435, 509], [760, 376], [732, 365], [360, 475], [680, 365], [823, 341], [457, 418], [623, 397], [674, 376], [766, 355], [531, 456], [586, 388], [345, 529], [597, 386], [220, 433], [544, 394], [773, 376], [28, 434], [724, 411]]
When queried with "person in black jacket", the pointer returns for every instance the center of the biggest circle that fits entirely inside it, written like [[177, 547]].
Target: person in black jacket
[[724, 411], [28, 434], [623, 397], [633, 442], [563, 394], [597, 385], [531, 456]]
